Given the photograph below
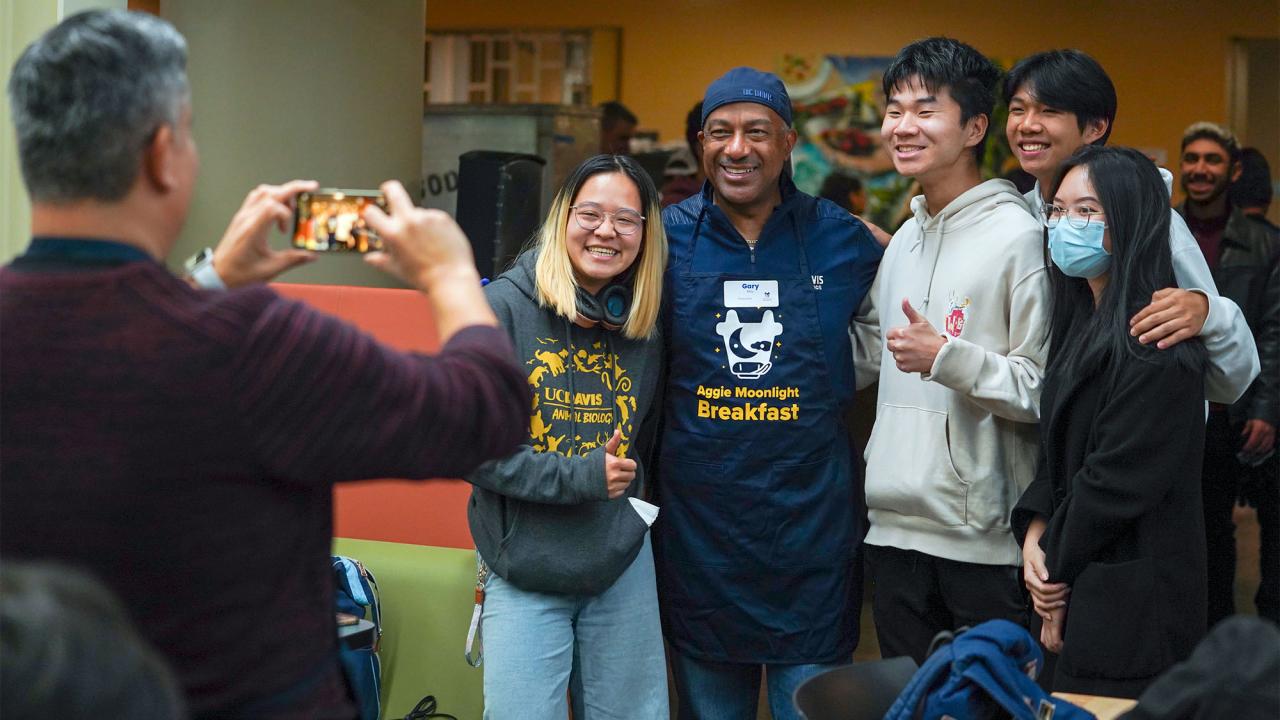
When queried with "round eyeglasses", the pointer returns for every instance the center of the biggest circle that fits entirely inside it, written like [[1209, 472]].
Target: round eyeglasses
[[590, 217], [1078, 218]]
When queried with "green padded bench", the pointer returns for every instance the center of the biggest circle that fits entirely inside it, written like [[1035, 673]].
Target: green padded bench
[[427, 595]]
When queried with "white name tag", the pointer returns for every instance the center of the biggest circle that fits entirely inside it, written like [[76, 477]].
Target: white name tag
[[751, 293]]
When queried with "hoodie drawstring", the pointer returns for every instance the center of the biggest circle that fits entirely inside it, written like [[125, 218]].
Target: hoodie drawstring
[[937, 250]]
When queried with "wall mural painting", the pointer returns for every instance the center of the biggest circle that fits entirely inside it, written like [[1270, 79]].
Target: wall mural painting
[[838, 105]]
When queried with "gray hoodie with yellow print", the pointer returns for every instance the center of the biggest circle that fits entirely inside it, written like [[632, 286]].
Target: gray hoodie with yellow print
[[542, 519]]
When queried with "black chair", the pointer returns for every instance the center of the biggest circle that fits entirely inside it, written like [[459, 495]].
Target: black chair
[[861, 691]]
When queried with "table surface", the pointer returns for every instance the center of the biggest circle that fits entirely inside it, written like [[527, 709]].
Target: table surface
[[1106, 708]]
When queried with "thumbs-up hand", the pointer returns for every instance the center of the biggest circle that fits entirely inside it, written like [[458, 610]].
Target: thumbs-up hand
[[915, 346], [618, 472]]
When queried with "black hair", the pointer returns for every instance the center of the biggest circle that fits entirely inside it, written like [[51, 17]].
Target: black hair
[[1067, 80], [71, 651], [1084, 338], [1253, 187], [940, 62], [836, 188], [613, 112], [693, 126]]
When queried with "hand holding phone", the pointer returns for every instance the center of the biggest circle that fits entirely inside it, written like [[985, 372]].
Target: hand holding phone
[[421, 246], [243, 255], [427, 249]]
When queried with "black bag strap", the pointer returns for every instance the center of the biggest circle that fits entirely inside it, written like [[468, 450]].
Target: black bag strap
[[426, 709]]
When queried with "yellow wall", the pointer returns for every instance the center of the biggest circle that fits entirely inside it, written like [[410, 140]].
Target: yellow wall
[[1167, 57]]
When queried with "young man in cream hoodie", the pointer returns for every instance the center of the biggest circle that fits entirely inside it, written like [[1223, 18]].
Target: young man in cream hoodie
[[959, 307]]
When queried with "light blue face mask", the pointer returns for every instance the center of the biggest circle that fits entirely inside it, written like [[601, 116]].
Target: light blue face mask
[[1078, 252]]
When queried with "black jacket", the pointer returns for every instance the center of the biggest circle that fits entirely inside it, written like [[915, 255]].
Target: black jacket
[[1119, 481], [1268, 339], [1245, 260]]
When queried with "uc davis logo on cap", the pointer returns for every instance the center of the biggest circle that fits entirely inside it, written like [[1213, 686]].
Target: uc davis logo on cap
[[753, 92]]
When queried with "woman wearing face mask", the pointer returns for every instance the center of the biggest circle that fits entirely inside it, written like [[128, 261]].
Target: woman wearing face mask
[[561, 527], [1111, 529]]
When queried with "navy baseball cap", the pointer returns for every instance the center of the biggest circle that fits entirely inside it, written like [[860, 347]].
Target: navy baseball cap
[[744, 84]]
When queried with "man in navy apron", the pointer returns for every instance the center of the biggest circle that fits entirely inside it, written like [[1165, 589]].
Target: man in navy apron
[[757, 544]]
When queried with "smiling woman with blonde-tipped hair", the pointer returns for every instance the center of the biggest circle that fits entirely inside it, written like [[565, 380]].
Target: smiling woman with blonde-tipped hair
[[562, 526]]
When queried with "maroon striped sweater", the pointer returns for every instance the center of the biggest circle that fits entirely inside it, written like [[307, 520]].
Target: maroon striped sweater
[[183, 444]]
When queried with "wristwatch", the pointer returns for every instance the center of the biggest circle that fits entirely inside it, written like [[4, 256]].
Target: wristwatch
[[200, 268]]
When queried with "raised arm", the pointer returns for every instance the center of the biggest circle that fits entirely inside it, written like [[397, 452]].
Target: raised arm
[[323, 402], [1006, 385], [1195, 309]]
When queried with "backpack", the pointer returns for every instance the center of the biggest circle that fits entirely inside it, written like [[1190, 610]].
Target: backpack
[[356, 592], [988, 671]]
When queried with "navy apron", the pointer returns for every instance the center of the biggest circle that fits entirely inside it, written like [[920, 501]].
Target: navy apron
[[760, 517]]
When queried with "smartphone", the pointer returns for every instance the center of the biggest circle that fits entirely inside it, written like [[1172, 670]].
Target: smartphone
[[330, 220]]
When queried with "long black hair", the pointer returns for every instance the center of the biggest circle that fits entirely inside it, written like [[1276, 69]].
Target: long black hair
[[1084, 338]]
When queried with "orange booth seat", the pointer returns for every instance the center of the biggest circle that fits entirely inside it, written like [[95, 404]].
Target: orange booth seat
[[417, 513]]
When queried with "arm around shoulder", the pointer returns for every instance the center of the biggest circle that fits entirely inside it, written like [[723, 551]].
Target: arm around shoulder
[[865, 337]]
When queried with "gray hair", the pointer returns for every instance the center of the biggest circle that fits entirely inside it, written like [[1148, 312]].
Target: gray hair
[[88, 96]]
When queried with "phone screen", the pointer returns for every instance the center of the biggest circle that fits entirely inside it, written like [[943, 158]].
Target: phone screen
[[331, 221]]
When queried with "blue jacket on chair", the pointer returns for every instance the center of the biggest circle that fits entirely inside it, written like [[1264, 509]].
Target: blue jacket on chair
[[986, 672]]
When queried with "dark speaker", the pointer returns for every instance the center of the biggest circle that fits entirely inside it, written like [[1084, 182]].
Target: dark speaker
[[499, 205]]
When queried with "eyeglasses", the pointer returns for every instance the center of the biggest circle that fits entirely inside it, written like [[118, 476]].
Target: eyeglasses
[[1078, 218], [590, 217]]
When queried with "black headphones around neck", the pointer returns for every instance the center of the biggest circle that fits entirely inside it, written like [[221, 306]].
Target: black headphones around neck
[[609, 307]]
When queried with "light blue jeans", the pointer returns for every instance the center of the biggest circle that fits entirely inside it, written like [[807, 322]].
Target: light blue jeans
[[731, 691], [606, 647]]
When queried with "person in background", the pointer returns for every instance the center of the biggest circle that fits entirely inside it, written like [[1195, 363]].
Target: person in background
[[1111, 528], [617, 126], [686, 183], [757, 548], [182, 444], [1251, 190], [561, 526], [846, 191], [1241, 437], [69, 650]]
